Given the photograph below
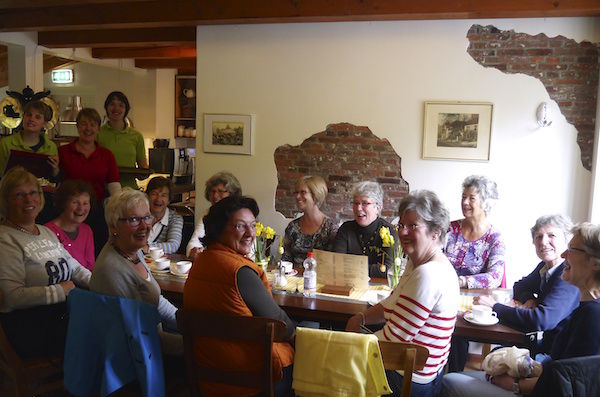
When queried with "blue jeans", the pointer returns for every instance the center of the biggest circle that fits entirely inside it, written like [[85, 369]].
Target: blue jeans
[[431, 389]]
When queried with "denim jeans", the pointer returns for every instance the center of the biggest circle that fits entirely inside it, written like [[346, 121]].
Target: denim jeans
[[431, 389]]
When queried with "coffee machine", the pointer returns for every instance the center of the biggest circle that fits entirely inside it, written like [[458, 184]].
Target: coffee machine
[[184, 166]]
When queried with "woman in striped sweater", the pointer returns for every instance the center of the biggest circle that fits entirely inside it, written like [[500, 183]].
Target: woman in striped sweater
[[422, 308], [168, 225]]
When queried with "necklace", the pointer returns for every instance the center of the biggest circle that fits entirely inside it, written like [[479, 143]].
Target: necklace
[[135, 261], [21, 228]]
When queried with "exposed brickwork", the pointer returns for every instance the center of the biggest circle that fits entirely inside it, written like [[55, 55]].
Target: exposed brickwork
[[343, 154], [569, 71]]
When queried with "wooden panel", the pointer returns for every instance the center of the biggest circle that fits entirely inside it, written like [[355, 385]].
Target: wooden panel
[[119, 37], [95, 14], [183, 63], [145, 53]]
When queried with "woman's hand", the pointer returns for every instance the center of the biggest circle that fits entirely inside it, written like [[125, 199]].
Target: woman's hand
[[504, 381], [530, 304], [484, 300], [53, 161], [195, 251], [67, 286], [354, 323]]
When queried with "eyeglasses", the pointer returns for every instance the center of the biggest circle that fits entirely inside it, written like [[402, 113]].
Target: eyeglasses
[[243, 227], [362, 204], [23, 195], [134, 221], [570, 250], [215, 191], [411, 228]]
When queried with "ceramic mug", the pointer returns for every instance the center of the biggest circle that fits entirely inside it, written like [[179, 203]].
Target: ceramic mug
[[189, 93], [183, 267], [482, 313], [180, 130], [501, 296], [156, 252], [162, 263]]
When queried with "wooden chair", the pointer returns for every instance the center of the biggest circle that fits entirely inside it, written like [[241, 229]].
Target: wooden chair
[[261, 330], [26, 374], [407, 357]]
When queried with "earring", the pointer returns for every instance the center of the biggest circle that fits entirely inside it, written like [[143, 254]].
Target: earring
[[115, 234]]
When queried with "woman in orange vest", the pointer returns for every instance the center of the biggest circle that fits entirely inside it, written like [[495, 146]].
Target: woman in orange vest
[[224, 280]]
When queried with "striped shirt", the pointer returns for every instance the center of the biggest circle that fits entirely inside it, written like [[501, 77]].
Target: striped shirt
[[167, 232], [422, 310]]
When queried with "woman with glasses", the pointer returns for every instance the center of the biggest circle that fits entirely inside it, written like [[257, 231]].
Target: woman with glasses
[[362, 235], [422, 308], [312, 230], [36, 271], [578, 338], [224, 280], [220, 185], [168, 225], [120, 268]]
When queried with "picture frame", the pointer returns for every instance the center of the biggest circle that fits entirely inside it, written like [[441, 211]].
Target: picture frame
[[456, 130], [228, 133]]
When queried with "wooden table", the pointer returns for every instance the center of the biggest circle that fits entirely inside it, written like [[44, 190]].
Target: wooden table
[[337, 313]]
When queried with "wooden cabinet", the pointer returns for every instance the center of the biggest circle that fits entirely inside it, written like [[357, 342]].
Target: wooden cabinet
[[185, 106]]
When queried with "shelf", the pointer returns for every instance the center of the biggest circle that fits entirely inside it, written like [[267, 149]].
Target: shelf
[[185, 118], [185, 103]]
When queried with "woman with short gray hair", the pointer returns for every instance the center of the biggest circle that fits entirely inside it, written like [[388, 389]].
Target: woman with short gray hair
[[362, 235], [474, 247], [422, 308]]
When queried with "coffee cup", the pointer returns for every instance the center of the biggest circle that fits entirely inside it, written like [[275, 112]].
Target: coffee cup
[[189, 93], [162, 264], [482, 313], [180, 130], [287, 266], [156, 252], [182, 267], [501, 296]]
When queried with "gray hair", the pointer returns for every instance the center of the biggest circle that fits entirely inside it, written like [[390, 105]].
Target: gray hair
[[370, 189], [556, 220], [227, 179], [117, 204], [590, 234], [429, 208], [486, 188]]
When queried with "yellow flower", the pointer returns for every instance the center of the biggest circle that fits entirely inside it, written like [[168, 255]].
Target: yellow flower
[[268, 232], [387, 239], [259, 228]]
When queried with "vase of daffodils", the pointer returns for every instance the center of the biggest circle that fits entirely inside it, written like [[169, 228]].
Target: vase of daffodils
[[264, 238], [395, 271]]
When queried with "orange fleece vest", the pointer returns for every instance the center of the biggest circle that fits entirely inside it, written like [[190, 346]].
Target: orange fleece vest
[[212, 286]]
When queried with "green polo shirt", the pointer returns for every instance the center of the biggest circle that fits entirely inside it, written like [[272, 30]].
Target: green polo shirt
[[15, 142], [128, 147]]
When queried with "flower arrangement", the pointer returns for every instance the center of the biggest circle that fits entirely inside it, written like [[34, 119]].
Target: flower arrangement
[[264, 238], [387, 241]]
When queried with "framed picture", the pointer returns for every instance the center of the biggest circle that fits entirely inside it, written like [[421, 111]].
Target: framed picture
[[457, 130], [228, 133]]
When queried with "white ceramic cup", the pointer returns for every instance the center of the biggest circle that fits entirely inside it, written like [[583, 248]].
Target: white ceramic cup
[[156, 252], [501, 296], [180, 130], [183, 267], [482, 313], [162, 264], [287, 266], [189, 93]]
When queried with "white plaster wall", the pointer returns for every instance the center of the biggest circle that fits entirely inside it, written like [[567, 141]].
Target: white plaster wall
[[297, 78]]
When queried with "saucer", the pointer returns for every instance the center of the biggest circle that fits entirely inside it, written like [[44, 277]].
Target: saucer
[[292, 273], [490, 321], [176, 273], [159, 271]]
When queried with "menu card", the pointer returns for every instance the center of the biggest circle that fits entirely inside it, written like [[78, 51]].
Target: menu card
[[342, 269]]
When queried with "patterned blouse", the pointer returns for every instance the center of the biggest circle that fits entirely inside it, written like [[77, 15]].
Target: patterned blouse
[[480, 261], [296, 244]]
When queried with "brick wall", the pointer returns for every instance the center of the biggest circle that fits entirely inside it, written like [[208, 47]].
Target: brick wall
[[568, 70], [343, 154]]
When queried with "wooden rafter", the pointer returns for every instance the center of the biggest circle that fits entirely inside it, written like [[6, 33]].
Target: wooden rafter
[[97, 14], [145, 52], [183, 63], [119, 37]]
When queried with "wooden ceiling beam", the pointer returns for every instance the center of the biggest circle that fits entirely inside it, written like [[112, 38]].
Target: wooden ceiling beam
[[145, 52], [172, 36], [182, 63], [95, 14]]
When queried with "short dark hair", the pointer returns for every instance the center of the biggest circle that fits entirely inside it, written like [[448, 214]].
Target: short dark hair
[[70, 188], [40, 107], [121, 97], [89, 113], [220, 213], [159, 182]]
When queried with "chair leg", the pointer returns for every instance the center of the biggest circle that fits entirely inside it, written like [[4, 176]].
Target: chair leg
[[409, 364]]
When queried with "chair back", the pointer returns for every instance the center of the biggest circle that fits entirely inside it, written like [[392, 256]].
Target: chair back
[[264, 331], [407, 357], [29, 375]]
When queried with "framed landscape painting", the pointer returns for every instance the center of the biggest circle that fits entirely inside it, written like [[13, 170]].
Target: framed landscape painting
[[228, 133], [457, 130]]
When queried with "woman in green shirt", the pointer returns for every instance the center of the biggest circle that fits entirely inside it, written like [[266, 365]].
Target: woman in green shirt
[[126, 143]]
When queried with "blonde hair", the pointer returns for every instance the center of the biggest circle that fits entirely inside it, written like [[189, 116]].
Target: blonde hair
[[316, 185], [117, 204], [14, 178]]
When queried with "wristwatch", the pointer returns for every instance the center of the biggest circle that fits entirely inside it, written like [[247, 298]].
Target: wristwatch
[[516, 389]]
